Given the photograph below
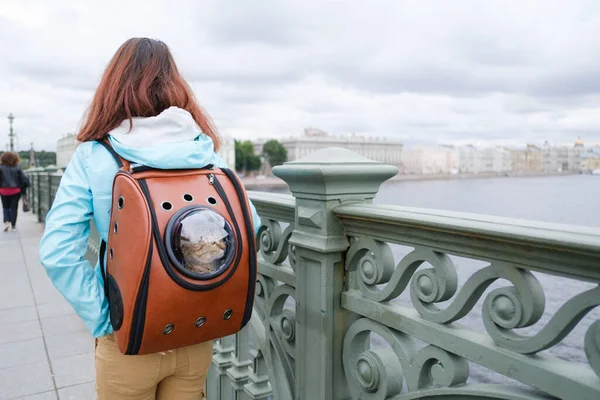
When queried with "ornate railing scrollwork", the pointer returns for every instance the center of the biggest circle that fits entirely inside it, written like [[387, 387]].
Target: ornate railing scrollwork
[[376, 374], [292, 256], [518, 306], [262, 293], [282, 330], [504, 310], [567, 317], [379, 374], [374, 262], [273, 243], [592, 346], [436, 367]]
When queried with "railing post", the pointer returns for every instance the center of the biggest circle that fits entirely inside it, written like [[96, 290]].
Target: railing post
[[43, 189], [36, 194], [320, 182], [222, 359], [50, 172], [239, 371], [259, 387], [32, 191]]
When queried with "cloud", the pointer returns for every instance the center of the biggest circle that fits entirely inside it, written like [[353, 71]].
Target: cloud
[[467, 71]]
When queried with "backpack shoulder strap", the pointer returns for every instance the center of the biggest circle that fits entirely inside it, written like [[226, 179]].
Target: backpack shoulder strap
[[121, 162]]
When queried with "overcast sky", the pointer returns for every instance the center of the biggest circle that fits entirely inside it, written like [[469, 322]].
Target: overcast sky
[[441, 71]]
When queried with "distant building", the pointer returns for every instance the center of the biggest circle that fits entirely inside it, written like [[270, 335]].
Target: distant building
[[475, 160], [440, 160], [528, 159], [227, 150], [562, 158], [384, 150], [65, 147], [590, 159]]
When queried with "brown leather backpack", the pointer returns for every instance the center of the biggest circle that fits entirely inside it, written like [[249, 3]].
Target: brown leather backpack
[[181, 265]]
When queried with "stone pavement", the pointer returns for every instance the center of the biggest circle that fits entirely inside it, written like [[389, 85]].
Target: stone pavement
[[46, 353]]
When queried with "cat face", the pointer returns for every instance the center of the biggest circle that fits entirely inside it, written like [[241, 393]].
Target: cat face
[[202, 256]]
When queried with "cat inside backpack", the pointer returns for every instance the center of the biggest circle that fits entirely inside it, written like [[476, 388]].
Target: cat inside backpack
[[203, 242], [202, 256]]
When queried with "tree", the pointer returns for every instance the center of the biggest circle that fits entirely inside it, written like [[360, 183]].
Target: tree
[[245, 159], [254, 163], [274, 152]]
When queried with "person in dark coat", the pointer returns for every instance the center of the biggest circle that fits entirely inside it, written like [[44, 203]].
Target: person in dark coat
[[13, 183]]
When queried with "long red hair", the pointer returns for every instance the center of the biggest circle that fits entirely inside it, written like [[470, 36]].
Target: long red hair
[[141, 80]]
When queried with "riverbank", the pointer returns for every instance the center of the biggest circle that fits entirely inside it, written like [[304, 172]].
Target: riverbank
[[272, 182]]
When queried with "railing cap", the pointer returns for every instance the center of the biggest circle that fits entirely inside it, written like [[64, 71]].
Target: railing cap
[[334, 173], [35, 169]]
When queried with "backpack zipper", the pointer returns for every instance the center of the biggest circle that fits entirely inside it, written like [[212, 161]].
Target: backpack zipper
[[252, 264], [134, 168], [139, 311]]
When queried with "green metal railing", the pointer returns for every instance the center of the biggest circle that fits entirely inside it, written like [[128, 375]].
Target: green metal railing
[[362, 301]]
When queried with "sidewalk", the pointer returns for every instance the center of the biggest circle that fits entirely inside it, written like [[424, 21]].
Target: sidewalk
[[45, 351]]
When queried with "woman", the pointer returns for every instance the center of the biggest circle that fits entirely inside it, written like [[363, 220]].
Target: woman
[[149, 115], [12, 184]]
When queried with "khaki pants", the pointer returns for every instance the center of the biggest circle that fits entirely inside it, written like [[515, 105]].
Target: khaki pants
[[180, 375]]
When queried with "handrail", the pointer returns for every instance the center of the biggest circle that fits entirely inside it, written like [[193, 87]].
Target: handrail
[[541, 246]]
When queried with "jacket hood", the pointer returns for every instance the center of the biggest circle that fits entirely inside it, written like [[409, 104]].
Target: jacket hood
[[170, 140]]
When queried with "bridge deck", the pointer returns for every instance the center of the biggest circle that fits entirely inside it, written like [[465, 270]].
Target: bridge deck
[[45, 350]]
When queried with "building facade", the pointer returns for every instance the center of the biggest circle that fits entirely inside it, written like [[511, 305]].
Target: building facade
[[528, 159], [562, 158], [476, 160], [439, 160], [227, 150], [375, 148], [65, 147], [590, 160]]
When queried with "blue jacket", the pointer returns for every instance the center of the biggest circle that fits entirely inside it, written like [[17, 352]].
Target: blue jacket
[[85, 194]]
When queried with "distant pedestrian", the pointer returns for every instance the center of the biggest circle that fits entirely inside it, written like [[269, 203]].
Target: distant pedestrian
[[13, 183]]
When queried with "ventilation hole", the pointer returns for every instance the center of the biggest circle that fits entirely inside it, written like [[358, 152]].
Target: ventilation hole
[[227, 314], [111, 254], [168, 329], [121, 202], [200, 321], [212, 200], [116, 228], [166, 206], [188, 197]]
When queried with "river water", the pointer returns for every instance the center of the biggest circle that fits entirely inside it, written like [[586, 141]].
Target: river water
[[573, 200]]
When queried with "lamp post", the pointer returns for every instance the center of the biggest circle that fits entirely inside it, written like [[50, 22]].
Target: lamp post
[[32, 160], [11, 134]]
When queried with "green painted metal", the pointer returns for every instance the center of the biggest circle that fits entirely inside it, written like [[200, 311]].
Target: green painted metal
[[320, 183], [258, 388], [327, 323]]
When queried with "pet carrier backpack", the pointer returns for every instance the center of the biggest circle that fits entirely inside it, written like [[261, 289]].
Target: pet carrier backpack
[[181, 256]]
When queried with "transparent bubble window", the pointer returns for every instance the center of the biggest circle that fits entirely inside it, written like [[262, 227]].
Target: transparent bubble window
[[200, 243]]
